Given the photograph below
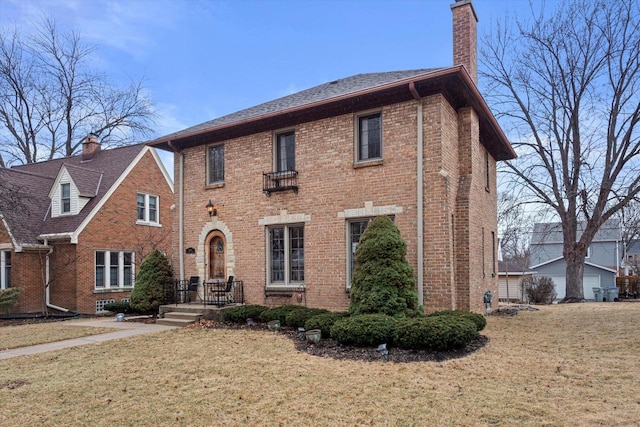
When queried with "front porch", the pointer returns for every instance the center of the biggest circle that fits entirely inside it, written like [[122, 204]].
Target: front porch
[[183, 314]]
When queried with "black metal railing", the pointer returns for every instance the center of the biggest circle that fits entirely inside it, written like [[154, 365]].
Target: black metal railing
[[212, 292], [280, 181], [222, 293]]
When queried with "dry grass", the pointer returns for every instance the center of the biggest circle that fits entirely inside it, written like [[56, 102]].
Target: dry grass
[[25, 335], [571, 365]]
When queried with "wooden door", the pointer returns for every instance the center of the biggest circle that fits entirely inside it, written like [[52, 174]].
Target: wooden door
[[217, 263]]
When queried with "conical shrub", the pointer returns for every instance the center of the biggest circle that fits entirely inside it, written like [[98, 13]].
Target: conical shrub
[[149, 291]]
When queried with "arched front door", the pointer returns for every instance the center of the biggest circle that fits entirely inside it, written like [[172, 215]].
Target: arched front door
[[216, 263]]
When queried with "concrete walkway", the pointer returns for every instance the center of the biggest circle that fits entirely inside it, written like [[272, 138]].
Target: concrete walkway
[[126, 329]]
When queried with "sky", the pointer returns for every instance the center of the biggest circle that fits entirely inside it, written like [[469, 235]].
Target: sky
[[205, 59]]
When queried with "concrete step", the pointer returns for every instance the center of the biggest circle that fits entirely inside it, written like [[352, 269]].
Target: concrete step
[[177, 318]]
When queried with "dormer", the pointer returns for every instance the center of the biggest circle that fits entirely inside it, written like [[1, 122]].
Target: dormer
[[72, 189]]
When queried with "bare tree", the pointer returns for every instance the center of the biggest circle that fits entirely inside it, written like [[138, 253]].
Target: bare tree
[[50, 98], [566, 86], [514, 225]]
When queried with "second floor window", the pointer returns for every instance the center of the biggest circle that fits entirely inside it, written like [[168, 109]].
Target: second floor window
[[65, 198], [369, 137], [285, 152], [215, 164], [147, 208]]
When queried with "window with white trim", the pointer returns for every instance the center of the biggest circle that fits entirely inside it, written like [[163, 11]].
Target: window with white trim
[[369, 138], [114, 269], [65, 198], [5, 269], [148, 209], [215, 164], [286, 255]]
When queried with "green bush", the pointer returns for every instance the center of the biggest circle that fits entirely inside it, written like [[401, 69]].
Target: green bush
[[434, 333], [8, 297], [476, 318], [278, 313], [118, 307], [364, 330], [297, 318], [241, 313], [149, 293], [324, 322], [383, 279]]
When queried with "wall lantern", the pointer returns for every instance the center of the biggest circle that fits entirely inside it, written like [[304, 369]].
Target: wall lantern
[[212, 209]]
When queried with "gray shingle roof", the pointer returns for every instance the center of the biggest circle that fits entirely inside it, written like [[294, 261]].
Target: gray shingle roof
[[551, 232], [94, 178], [323, 92]]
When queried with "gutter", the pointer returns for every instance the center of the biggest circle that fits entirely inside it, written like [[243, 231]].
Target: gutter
[[47, 276], [180, 208], [419, 194]]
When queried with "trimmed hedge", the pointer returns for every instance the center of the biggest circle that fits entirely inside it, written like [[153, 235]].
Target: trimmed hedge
[[241, 313], [476, 318], [434, 333], [297, 318], [118, 307], [364, 330], [324, 322], [278, 313]]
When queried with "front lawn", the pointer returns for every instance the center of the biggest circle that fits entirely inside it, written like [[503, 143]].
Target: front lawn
[[563, 365]]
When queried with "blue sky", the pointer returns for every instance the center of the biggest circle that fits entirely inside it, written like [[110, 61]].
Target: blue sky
[[205, 59]]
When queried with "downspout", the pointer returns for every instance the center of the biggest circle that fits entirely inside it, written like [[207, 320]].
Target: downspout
[[46, 277], [420, 195], [180, 209]]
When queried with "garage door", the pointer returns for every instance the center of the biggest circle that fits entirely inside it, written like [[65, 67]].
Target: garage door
[[588, 283]]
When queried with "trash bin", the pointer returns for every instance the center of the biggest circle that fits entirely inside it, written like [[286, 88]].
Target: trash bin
[[612, 293], [597, 293]]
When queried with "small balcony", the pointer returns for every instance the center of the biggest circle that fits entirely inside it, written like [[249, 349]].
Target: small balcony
[[279, 181]]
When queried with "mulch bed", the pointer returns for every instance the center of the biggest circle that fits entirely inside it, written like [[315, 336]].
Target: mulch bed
[[330, 348]]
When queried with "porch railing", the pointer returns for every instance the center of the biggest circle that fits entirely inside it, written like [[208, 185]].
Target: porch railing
[[209, 292]]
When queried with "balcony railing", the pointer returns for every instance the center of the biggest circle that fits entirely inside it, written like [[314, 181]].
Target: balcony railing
[[279, 181]]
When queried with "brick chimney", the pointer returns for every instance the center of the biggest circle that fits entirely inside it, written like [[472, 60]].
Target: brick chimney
[[465, 44], [90, 147]]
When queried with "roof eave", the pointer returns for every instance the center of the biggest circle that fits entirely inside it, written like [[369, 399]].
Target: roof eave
[[439, 81]]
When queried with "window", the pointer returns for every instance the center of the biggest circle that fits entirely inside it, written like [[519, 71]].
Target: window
[[65, 198], [5, 269], [286, 255], [355, 230], [285, 152], [369, 137], [215, 164], [101, 303], [147, 208], [118, 264]]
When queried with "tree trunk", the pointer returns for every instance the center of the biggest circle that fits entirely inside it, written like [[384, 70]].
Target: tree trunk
[[574, 275]]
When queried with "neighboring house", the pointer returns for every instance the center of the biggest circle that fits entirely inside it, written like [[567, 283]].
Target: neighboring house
[[632, 258], [601, 264], [80, 226], [295, 181], [510, 277]]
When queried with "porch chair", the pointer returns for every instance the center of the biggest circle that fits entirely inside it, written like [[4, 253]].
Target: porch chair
[[222, 295], [193, 287]]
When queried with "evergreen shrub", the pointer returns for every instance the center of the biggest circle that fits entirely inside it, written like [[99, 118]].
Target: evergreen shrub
[[297, 318], [149, 291], [364, 330], [434, 333], [324, 322], [477, 319], [241, 313]]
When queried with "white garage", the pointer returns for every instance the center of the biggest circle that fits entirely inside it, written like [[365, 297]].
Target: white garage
[[588, 283]]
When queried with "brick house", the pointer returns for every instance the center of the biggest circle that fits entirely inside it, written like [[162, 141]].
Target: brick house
[[293, 183], [80, 226]]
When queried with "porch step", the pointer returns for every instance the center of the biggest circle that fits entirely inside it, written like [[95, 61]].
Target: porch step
[[178, 318]]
